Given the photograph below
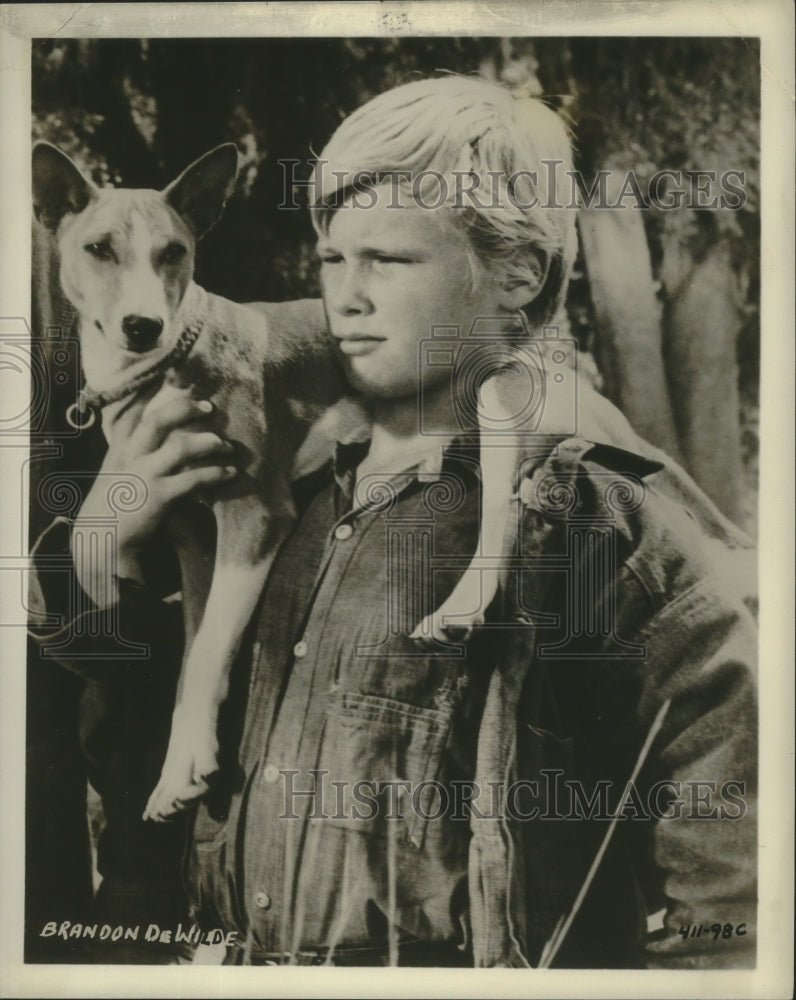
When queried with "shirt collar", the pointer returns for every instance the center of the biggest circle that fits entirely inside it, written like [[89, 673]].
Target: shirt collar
[[350, 452]]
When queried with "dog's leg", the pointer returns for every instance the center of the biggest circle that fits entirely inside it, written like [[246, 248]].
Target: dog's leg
[[190, 530], [466, 606], [249, 534]]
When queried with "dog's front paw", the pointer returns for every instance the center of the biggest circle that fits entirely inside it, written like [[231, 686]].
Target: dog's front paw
[[463, 611], [442, 627], [191, 759]]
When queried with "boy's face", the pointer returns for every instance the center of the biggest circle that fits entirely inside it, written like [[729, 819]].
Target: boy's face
[[388, 276]]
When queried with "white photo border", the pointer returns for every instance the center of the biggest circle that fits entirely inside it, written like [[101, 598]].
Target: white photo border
[[772, 22]]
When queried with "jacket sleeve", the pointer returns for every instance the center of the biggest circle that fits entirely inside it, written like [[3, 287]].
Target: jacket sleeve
[[138, 632], [700, 655]]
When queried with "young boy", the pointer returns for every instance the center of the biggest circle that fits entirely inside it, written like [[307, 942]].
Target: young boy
[[391, 798]]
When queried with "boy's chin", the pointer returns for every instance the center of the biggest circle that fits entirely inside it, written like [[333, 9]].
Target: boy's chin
[[374, 384]]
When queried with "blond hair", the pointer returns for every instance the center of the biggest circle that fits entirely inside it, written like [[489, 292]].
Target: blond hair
[[467, 131]]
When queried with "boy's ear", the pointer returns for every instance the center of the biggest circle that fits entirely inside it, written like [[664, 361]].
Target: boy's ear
[[516, 292], [59, 188], [199, 194]]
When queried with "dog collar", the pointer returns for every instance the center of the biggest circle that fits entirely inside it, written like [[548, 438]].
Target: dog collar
[[89, 401]]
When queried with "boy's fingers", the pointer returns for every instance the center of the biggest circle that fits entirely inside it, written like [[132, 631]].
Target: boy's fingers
[[157, 423], [126, 422], [191, 480], [181, 448]]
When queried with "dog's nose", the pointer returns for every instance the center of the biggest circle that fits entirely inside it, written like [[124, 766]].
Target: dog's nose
[[141, 331]]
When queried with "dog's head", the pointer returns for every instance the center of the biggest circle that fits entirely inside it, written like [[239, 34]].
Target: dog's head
[[127, 255]]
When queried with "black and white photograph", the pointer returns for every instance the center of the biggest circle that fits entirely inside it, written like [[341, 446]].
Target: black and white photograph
[[397, 466]]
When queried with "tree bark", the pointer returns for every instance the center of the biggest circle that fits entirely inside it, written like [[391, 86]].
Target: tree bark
[[629, 341], [701, 324]]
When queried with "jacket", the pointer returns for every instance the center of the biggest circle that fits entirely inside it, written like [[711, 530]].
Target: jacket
[[671, 631]]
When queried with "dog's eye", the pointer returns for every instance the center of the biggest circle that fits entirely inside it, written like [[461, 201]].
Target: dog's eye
[[102, 250], [173, 253]]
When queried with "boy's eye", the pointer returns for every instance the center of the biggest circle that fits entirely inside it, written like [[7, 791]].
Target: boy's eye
[[385, 258], [329, 257], [173, 253], [101, 250]]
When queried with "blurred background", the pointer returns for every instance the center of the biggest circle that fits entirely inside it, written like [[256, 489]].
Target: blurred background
[[664, 305], [665, 302]]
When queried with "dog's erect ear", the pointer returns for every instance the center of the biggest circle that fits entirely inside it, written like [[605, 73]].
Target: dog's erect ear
[[201, 191], [58, 186]]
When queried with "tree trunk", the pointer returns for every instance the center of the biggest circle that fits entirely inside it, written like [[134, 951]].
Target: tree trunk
[[701, 323], [628, 348]]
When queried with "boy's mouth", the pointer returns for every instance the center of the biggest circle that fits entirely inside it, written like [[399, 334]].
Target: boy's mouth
[[357, 344]]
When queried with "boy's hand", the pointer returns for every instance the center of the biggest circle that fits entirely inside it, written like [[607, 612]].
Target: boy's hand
[[155, 445]]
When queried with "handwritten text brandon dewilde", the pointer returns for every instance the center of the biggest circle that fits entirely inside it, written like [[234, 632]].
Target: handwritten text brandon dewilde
[[153, 933]]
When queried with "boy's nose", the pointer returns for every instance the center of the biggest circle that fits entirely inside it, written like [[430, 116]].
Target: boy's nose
[[348, 294], [141, 331]]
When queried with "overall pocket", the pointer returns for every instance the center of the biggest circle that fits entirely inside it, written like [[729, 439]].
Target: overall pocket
[[386, 756]]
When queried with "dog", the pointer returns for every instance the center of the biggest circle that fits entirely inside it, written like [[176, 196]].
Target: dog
[[148, 331]]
